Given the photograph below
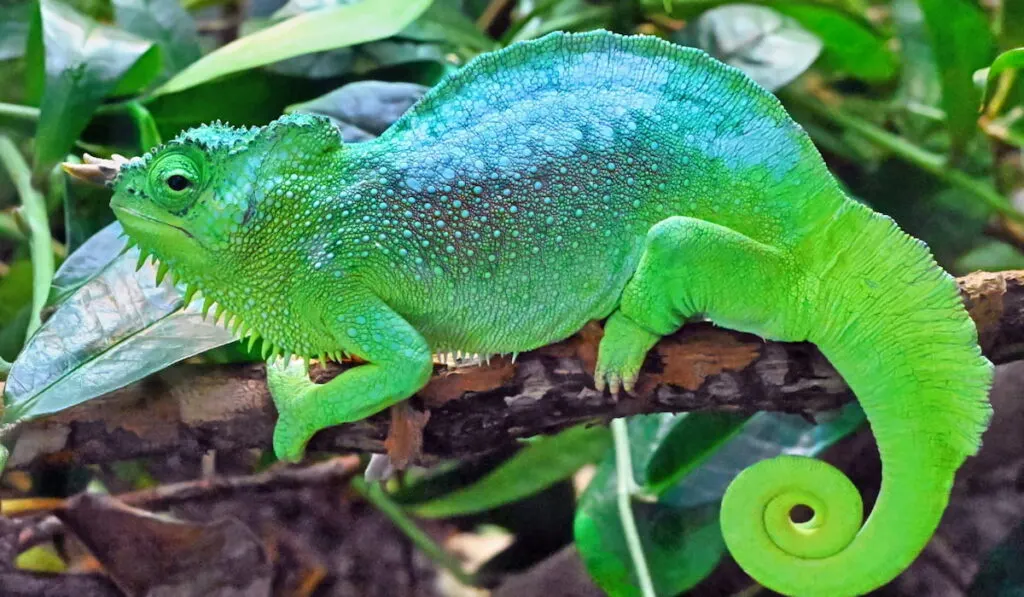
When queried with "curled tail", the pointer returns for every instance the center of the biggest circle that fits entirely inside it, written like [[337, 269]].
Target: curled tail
[[892, 323]]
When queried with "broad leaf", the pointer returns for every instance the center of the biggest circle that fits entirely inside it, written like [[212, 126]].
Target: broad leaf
[[365, 109], [86, 262], [688, 441], [765, 435], [84, 63], [338, 27], [539, 465], [254, 97], [963, 43], [682, 545], [680, 531], [444, 23], [852, 46], [115, 329], [771, 48], [166, 23]]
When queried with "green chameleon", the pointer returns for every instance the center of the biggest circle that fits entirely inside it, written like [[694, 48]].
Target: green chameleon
[[567, 179]]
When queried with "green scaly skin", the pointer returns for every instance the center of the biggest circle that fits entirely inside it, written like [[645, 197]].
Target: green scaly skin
[[572, 178]]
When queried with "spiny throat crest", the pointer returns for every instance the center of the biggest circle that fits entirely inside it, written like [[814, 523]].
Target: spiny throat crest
[[227, 309]]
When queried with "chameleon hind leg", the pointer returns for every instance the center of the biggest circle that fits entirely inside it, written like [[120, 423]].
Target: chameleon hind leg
[[398, 364], [690, 267]]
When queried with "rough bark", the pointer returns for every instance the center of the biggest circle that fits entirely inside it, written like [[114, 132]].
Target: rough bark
[[196, 408]]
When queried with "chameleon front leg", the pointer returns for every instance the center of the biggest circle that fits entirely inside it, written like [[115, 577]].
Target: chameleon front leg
[[398, 364], [689, 267]]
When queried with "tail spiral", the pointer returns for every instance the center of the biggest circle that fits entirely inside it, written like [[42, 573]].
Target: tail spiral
[[891, 322]]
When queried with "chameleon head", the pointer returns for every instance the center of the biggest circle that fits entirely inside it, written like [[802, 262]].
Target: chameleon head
[[199, 202]]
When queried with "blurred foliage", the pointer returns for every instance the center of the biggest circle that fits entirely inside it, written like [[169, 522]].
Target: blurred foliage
[[916, 105]]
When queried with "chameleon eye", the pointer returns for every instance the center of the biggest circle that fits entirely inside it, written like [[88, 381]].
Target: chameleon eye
[[178, 183], [174, 179]]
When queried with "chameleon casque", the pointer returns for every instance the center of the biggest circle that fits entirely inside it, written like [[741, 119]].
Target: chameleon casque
[[567, 179]]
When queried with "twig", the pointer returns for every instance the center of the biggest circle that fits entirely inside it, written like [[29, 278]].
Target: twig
[[194, 408], [487, 17]]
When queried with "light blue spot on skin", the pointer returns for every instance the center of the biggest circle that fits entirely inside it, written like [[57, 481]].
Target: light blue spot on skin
[[352, 332]]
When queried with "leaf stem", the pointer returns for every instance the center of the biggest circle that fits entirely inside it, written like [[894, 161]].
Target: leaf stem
[[932, 163], [627, 487], [33, 209], [376, 496], [19, 112]]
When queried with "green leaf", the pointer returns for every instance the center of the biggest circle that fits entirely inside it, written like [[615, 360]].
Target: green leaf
[[84, 63], [771, 48], [15, 290], [1011, 24], [115, 329], [253, 97], [86, 262], [86, 210], [765, 435], [14, 24], [682, 545], [689, 441], [166, 23], [444, 23], [539, 465], [364, 109], [1007, 61], [338, 27], [962, 43], [920, 91], [852, 46], [680, 531]]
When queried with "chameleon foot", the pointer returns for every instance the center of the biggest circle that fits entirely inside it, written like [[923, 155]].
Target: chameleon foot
[[621, 354], [289, 383]]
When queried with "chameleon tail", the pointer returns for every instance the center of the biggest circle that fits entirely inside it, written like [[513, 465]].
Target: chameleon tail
[[892, 324]]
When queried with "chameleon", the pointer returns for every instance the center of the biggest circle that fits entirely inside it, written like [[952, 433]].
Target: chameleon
[[572, 178]]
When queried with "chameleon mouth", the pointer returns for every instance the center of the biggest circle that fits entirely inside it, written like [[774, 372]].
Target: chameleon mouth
[[143, 222]]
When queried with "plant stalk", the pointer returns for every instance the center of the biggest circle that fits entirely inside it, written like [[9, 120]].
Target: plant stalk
[[33, 210], [932, 163], [627, 488], [376, 496]]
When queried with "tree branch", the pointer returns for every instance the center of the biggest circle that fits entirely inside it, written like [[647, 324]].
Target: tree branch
[[196, 408]]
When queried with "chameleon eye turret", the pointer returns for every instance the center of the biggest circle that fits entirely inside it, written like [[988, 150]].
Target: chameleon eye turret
[[566, 179]]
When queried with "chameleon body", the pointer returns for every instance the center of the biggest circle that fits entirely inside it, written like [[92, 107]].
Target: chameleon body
[[572, 178]]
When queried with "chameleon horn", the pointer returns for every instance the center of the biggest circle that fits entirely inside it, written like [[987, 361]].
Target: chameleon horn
[[96, 170]]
